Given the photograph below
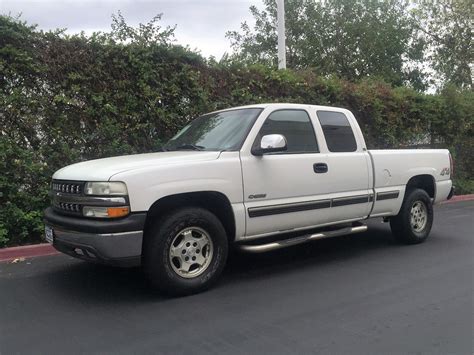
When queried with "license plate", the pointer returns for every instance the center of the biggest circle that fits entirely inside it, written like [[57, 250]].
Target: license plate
[[49, 234]]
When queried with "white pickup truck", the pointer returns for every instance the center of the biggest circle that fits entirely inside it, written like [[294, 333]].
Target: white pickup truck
[[257, 177]]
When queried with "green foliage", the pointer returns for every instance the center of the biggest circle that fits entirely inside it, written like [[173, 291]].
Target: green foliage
[[464, 186], [446, 26], [353, 39], [146, 34], [24, 190], [65, 99]]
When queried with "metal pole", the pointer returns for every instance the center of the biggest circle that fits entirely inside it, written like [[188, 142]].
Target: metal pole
[[281, 34]]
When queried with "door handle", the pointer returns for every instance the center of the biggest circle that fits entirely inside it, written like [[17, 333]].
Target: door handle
[[320, 168]]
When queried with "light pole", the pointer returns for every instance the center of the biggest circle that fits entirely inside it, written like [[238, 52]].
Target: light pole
[[281, 34]]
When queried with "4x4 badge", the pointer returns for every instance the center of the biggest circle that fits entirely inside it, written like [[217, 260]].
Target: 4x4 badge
[[445, 171]]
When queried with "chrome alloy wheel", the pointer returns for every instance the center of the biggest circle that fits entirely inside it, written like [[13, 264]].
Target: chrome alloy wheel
[[418, 216], [191, 252]]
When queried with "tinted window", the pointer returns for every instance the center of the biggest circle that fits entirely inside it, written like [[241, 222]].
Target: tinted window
[[337, 131], [296, 126], [224, 130]]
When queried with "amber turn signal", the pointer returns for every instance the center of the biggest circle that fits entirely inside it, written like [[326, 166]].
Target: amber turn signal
[[114, 212]]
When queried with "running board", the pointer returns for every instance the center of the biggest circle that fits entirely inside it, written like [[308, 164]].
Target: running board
[[262, 248]]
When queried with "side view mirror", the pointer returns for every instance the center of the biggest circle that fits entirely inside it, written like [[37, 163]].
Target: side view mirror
[[270, 143]]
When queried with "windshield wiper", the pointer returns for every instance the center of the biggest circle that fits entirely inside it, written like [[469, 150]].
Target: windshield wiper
[[189, 146]]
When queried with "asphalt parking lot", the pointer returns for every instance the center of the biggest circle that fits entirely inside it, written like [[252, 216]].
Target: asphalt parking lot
[[360, 294]]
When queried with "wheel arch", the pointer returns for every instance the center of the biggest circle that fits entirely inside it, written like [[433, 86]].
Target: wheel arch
[[214, 201], [425, 182]]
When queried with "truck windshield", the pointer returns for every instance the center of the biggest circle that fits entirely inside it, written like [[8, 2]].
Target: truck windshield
[[219, 131]]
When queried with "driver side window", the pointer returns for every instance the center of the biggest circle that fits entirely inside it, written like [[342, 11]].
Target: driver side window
[[296, 126]]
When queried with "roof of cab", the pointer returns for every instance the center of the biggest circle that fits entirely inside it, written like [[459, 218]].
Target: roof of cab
[[285, 105]]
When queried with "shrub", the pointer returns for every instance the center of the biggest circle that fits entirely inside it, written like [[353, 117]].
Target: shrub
[[67, 99]]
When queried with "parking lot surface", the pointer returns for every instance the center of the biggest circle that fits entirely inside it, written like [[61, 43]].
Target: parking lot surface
[[360, 294]]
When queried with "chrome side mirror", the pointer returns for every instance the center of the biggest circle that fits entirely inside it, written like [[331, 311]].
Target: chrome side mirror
[[271, 143]]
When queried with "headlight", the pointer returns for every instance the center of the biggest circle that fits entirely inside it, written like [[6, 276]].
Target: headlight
[[113, 188]]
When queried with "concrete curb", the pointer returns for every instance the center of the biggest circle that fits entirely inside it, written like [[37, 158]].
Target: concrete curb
[[458, 198], [27, 251], [31, 251]]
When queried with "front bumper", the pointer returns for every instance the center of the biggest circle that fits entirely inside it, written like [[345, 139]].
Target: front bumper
[[114, 242]]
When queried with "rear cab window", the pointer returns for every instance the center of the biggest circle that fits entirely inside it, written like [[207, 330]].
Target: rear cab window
[[337, 131]]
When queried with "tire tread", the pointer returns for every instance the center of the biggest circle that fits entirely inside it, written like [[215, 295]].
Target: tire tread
[[400, 224]]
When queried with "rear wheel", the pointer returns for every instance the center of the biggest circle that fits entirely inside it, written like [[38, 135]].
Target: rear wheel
[[185, 251], [413, 223]]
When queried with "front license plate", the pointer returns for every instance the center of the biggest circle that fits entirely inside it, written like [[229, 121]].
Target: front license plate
[[49, 234]]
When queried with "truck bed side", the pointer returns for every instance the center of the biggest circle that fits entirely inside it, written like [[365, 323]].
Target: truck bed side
[[393, 170]]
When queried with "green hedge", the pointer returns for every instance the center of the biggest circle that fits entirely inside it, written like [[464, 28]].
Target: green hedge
[[67, 99]]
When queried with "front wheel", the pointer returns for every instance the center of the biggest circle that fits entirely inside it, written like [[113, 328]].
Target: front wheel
[[413, 223], [185, 252]]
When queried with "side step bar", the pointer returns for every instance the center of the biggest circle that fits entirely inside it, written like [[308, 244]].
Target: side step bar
[[262, 248]]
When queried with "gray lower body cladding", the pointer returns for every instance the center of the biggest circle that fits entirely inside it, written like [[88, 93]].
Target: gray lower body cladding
[[114, 242]]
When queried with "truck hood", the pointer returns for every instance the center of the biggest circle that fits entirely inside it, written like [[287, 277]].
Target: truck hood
[[104, 169]]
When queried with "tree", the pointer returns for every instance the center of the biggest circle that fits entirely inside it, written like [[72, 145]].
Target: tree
[[353, 39], [446, 26], [150, 33]]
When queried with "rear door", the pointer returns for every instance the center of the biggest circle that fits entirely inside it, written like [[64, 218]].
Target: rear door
[[349, 167]]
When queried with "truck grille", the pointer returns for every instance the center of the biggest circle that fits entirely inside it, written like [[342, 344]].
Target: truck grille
[[68, 207], [75, 188]]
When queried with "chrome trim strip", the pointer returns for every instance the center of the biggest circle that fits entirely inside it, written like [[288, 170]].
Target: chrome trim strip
[[89, 200]]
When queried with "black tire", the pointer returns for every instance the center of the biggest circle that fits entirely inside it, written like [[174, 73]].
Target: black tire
[[156, 251], [402, 228]]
